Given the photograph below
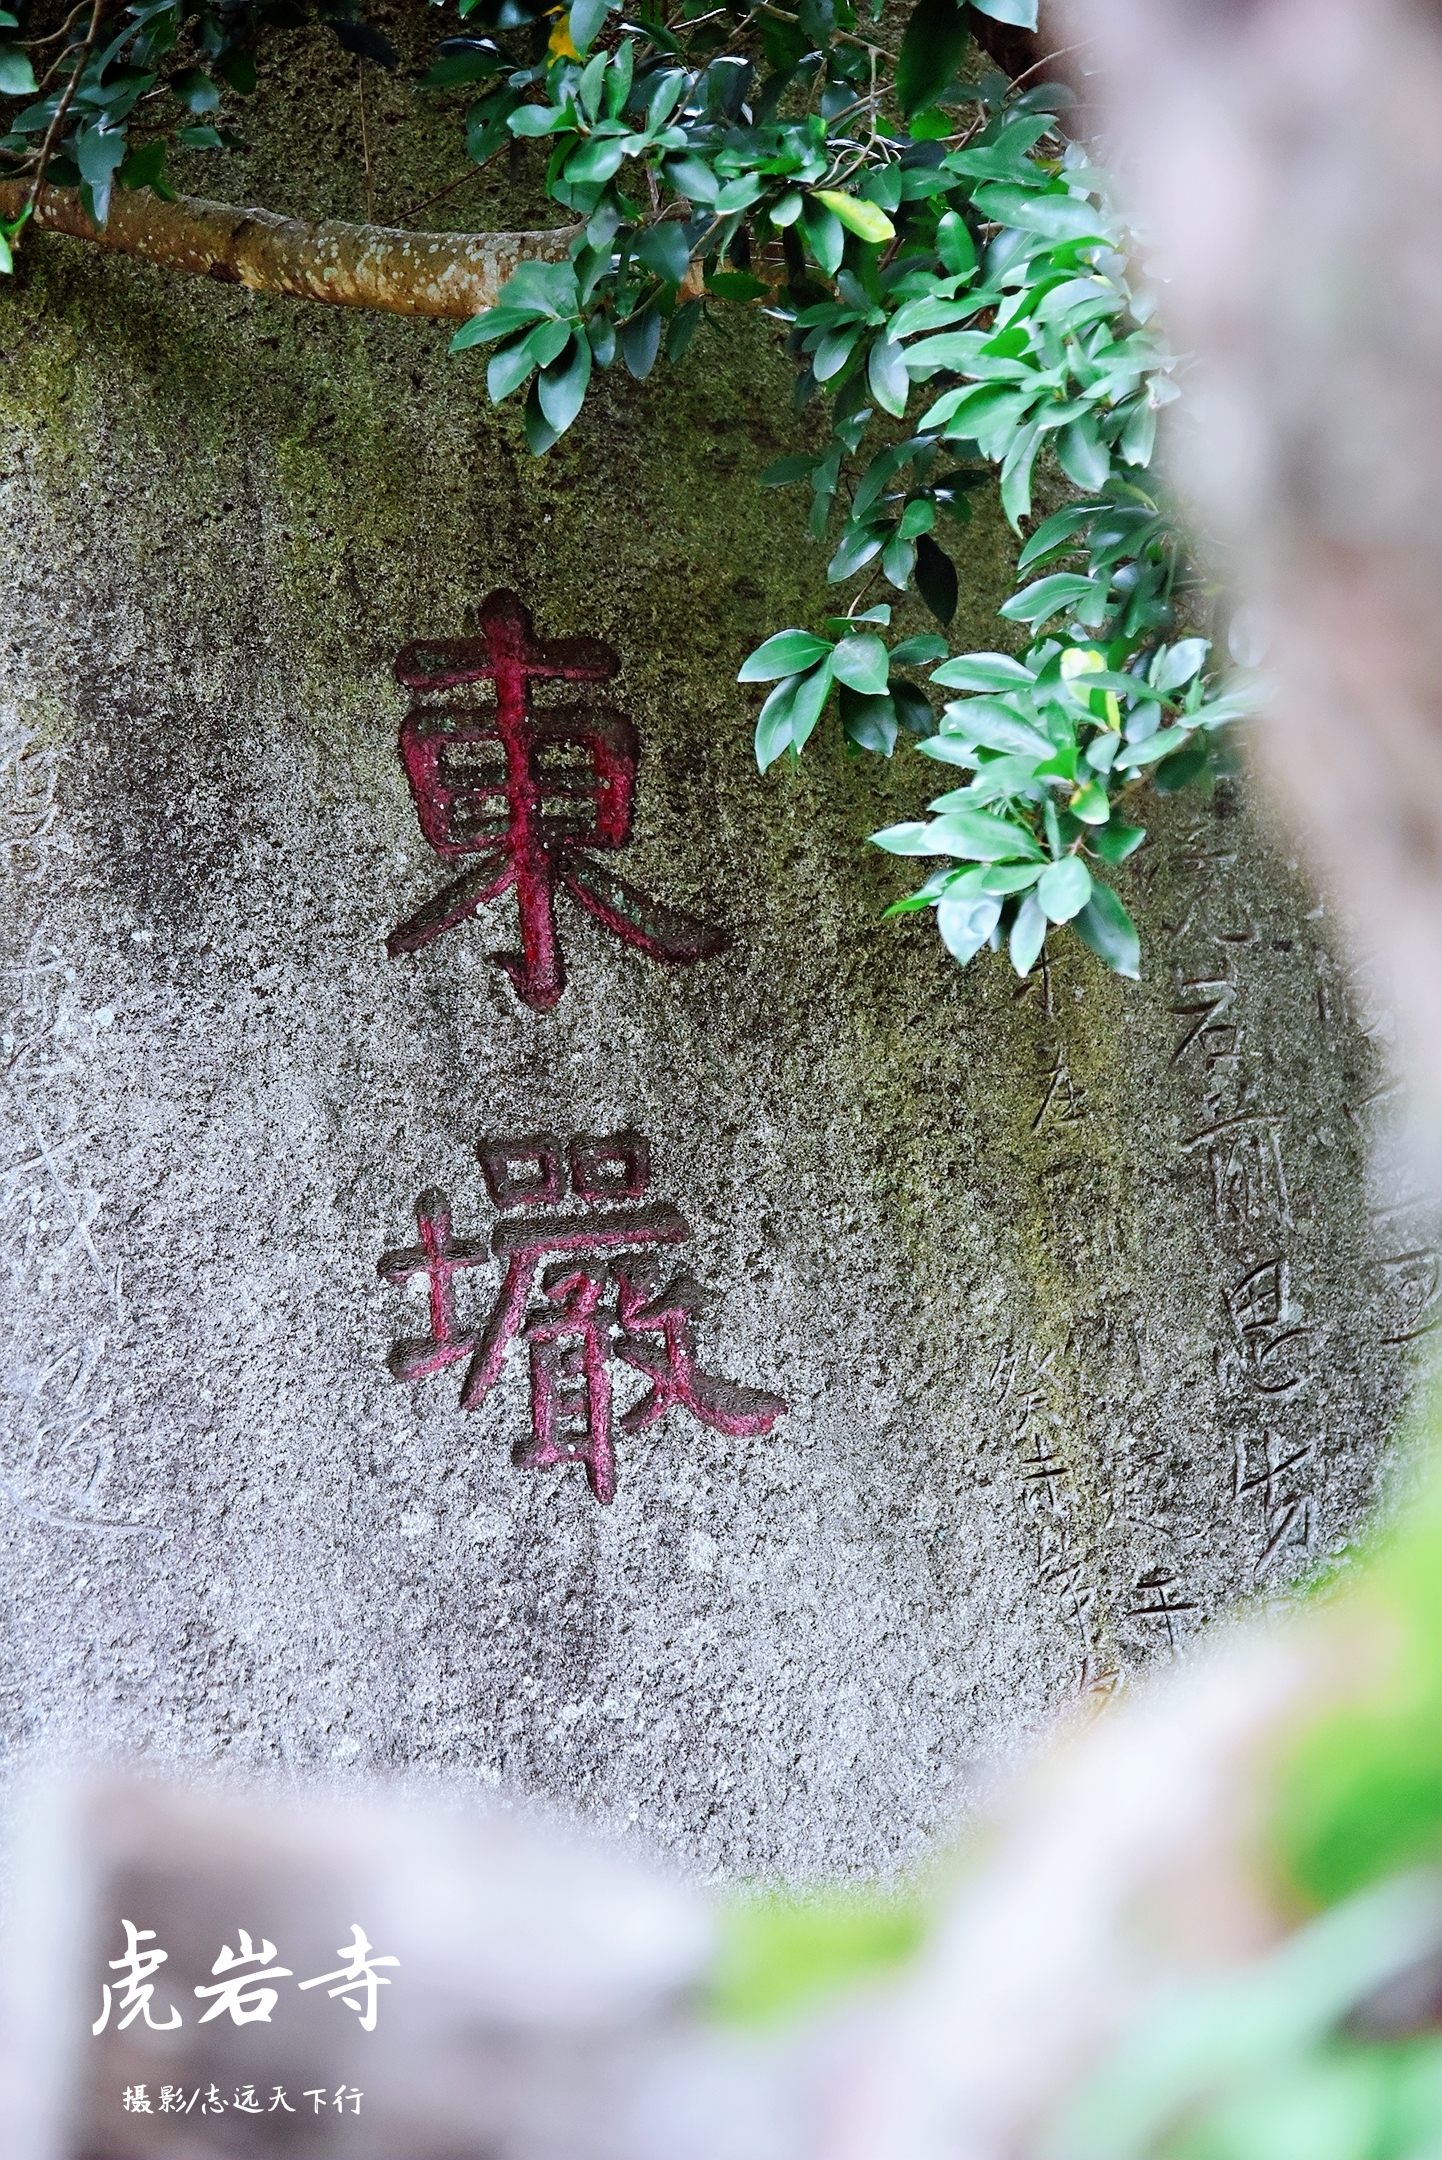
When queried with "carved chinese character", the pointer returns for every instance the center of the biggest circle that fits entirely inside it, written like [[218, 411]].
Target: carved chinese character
[[604, 1302], [530, 795], [1161, 1605], [1244, 1156], [1273, 1351], [1266, 1472]]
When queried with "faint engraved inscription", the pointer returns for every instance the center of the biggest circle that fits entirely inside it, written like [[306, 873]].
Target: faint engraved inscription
[[1035, 1399], [1266, 1358], [602, 1301], [1274, 1479], [1162, 1608]]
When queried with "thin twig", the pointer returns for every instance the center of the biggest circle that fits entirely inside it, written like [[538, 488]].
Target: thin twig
[[366, 145], [53, 131], [450, 187], [34, 44], [842, 37], [1063, 52]]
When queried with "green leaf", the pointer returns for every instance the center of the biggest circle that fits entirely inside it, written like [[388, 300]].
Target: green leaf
[[541, 288], [789, 652], [1021, 12], [736, 285], [7, 255], [201, 137], [602, 333], [913, 708], [886, 373], [898, 561], [1092, 805], [912, 838], [918, 651], [867, 220], [786, 471], [509, 368], [586, 19], [936, 578], [145, 167], [1054, 530], [17, 77], [984, 671], [496, 322], [825, 235], [981, 838], [1139, 436], [684, 325], [1056, 217], [991, 722], [966, 925], [1028, 934], [474, 63], [540, 434], [1082, 454], [955, 245], [1005, 877], [1114, 842], [594, 162], [931, 53], [917, 518], [1177, 664], [862, 664], [537, 120], [196, 91], [869, 722], [1106, 927], [663, 250], [1048, 596], [694, 179], [240, 71], [1155, 746], [773, 725], [562, 387], [98, 152], [1016, 475], [1064, 888], [858, 545], [1181, 768], [811, 694], [641, 341]]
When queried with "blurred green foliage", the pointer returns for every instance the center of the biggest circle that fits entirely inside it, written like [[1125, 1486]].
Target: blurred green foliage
[[1328, 2048], [784, 1955], [1360, 1792]]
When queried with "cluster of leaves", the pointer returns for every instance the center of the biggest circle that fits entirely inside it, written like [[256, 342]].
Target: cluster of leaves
[[911, 234], [107, 92], [1055, 741]]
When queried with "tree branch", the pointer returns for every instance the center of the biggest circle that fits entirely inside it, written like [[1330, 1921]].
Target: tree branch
[[448, 275]]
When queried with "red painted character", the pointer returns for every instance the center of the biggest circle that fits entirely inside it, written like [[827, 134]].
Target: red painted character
[[574, 1337], [562, 784]]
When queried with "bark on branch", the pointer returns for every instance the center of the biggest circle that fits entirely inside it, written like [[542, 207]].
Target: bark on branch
[[449, 275]]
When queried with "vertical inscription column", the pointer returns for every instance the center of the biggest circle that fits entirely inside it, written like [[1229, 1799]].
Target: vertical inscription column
[[1239, 1137]]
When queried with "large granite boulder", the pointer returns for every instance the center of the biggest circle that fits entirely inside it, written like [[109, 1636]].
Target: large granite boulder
[[1070, 1291]]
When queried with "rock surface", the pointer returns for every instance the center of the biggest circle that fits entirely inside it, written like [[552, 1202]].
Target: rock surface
[[1073, 1294]]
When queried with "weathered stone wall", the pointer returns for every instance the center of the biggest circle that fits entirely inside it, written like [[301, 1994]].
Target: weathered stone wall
[[1053, 1299]]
